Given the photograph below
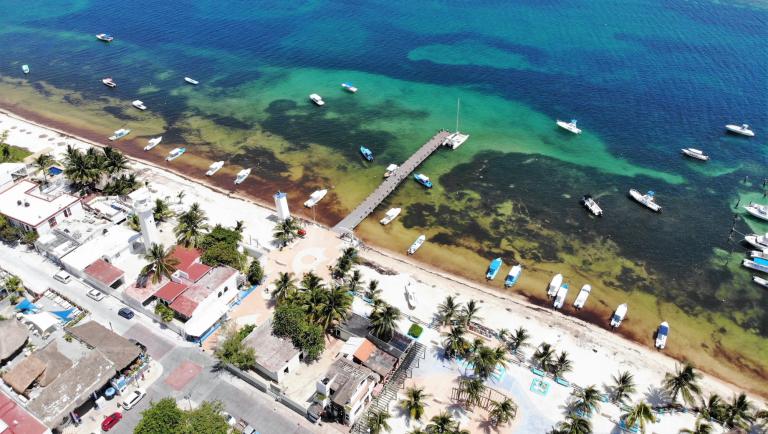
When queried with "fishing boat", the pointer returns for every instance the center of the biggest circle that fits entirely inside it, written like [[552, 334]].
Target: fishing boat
[[760, 242], [757, 210], [390, 215], [560, 297], [151, 143], [119, 134], [214, 167], [315, 197], [349, 88], [758, 254], [591, 205], [456, 139], [25, 69], [175, 153], [581, 298], [569, 126], [315, 98], [514, 274], [366, 153], [645, 199], [416, 244], [241, 175], [423, 180], [105, 37], [390, 170], [758, 264], [760, 281], [554, 285], [108, 82], [139, 105], [493, 269], [695, 153], [410, 298], [742, 129], [618, 315], [191, 81], [661, 335]]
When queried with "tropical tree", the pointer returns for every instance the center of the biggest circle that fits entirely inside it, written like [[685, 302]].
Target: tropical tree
[[502, 412], [335, 307], [413, 404], [442, 423], [354, 281], [573, 424], [345, 262], [561, 365], [448, 310], [114, 161], [232, 350], [255, 272], [239, 226], [121, 185], [42, 163], [418, 430], [180, 196], [518, 339], [285, 285], [83, 169], [311, 281], [738, 413], [5, 148], [640, 414], [373, 292], [164, 312], [161, 212], [683, 382], [713, 408], [454, 343], [378, 422], [469, 312], [471, 391], [484, 360], [286, 231], [161, 263], [586, 400], [383, 322], [623, 387], [544, 355], [191, 227], [701, 427]]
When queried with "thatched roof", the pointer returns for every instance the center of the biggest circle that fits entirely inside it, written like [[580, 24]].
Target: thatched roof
[[12, 337], [21, 376], [55, 363], [119, 350]]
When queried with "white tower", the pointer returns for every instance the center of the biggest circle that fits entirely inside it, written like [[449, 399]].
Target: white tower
[[144, 209], [281, 203]]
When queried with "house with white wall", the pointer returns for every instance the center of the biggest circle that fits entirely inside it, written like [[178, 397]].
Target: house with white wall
[[32, 207]]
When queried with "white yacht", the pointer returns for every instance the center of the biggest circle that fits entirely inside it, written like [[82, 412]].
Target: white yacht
[[695, 153], [349, 87], [758, 264], [390, 215], [191, 81], [456, 139], [560, 297], [139, 105], [119, 134], [108, 82], [317, 99], [315, 197], [581, 299], [591, 205], [214, 167], [757, 210], [661, 335], [760, 281], [569, 126], [416, 244], [151, 143], [554, 285], [175, 153], [742, 129], [645, 199], [758, 254], [241, 175], [760, 242], [390, 170], [618, 315]]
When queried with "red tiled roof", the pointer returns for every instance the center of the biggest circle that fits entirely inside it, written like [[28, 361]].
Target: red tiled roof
[[104, 272], [184, 306], [187, 302], [19, 420], [364, 351], [170, 291], [196, 271], [185, 256]]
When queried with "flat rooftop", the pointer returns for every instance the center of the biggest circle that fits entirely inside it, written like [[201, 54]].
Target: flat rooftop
[[187, 302], [272, 352], [23, 201]]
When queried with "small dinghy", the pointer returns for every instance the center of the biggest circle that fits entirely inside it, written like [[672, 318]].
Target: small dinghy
[[151, 143], [191, 81], [390, 215], [591, 205], [213, 168], [695, 153], [554, 285], [241, 176], [513, 276], [416, 244], [493, 269], [560, 297], [175, 153], [618, 315], [315, 197], [581, 299], [661, 335]]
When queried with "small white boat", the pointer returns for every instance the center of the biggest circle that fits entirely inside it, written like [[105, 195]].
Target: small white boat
[[590, 204], [175, 153], [191, 81], [560, 297], [758, 264], [315, 197], [139, 105], [241, 175], [349, 87], [757, 210], [569, 126], [390, 215], [25, 69], [695, 153], [315, 98], [214, 167], [151, 143], [105, 37], [410, 297], [119, 134], [416, 244], [760, 242], [618, 315], [645, 199], [390, 170], [661, 335], [554, 285], [108, 82], [758, 254], [581, 299], [513, 276], [455, 140], [760, 281], [742, 129]]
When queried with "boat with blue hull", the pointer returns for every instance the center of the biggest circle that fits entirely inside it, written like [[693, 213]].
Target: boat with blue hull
[[423, 180], [513, 275], [366, 153], [758, 264], [493, 269]]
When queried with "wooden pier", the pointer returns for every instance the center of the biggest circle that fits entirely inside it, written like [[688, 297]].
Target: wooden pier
[[390, 184]]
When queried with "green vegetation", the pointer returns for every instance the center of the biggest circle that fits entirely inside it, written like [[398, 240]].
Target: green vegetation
[[161, 263], [290, 321], [414, 402], [191, 227], [164, 312], [415, 331], [42, 163], [11, 154], [9, 233], [220, 248], [286, 231], [162, 211], [14, 287], [255, 272], [86, 169], [165, 417], [121, 185], [231, 350]]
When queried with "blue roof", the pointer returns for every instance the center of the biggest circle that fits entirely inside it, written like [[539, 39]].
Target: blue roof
[[64, 314], [26, 305], [760, 261]]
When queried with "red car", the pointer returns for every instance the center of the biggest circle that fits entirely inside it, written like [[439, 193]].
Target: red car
[[111, 421]]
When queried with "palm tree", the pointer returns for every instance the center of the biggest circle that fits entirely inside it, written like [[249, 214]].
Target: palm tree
[[239, 226], [448, 310], [311, 281], [586, 400], [180, 195], [355, 279], [417, 430], [285, 285], [455, 344], [373, 292], [161, 263], [413, 404], [161, 212], [683, 382], [335, 308], [312, 301], [562, 365], [471, 390], [345, 262], [441, 423], [713, 408], [42, 163], [114, 161], [639, 414], [738, 413], [286, 231], [191, 227], [378, 422], [623, 386], [469, 312], [503, 334], [383, 322], [573, 424], [701, 427], [543, 356], [484, 360], [519, 339], [502, 412]]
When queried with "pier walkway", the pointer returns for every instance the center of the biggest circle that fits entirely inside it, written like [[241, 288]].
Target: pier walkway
[[390, 184]]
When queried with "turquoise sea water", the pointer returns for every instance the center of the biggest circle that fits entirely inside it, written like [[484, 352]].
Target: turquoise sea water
[[643, 77]]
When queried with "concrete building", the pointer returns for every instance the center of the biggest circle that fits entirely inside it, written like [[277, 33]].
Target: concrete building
[[144, 209], [275, 356], [11, 172], [94, 260], [345, 390], [32, 208], [281, 204], [14, 419]]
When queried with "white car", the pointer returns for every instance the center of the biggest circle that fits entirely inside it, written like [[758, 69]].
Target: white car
[[95, 294], [231, 421], [133, 398], [62, 276]]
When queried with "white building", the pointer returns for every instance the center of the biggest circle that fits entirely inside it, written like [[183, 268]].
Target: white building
[[346, 390], [275, 356], [144, 209], [281, 204], [31, 208]]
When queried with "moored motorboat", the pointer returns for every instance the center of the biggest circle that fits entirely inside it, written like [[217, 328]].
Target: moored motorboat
[[647, 199], [554, 285], [175, 153], [390, 215], [139, 105], [214, 167], [757, 210], [758, 254], [25, 69], [390, 170], [366, 153], [315, 197], [108, 82], [695, 153], [569, 126], [242, 175], [454, 140], [742, 129], [759, 242], [191, 81], [151, 143], [423, 180], [493, 269], [416, 244], [513, 276], [104, 37], [758, 264], [661, 335], [590, 204], [618, 315], [760, 281], [119, 134], [349, 87], [560, 296], [581, 298], [315, 98]]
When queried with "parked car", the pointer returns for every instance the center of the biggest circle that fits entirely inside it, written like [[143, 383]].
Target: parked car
[[95, 294], [231, 421], [110, 421], [62, 276], [133, 398], [125, 313]]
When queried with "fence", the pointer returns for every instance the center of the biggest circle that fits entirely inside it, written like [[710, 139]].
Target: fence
[[267, 388]]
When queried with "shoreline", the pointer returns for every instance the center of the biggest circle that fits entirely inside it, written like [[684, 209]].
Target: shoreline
[[381, 256]]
